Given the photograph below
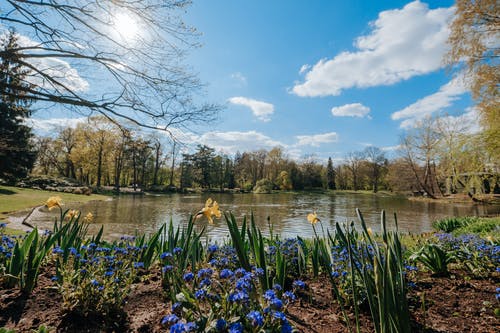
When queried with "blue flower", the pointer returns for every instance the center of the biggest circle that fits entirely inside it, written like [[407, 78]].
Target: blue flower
[[167, 268], [57, 250], [205, 272], [286, 327], [109, 273], [169, 319], [213, 248], [205, 282], [236, 328], [255, 318], [165, 255], [3, 225], [138, 265], [178, 328], [269, 294], [220, 325], [238, 297], [200, 294], [177, 250], [226, 273], [190, 327], [259, 271], [94, 282], [288, 295], [277, 287], [299, 284], [54, 278], [276, 304], [188, 277], [176, 307], [279, 315]]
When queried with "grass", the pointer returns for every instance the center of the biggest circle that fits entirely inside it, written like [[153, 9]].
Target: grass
[[14, 199]]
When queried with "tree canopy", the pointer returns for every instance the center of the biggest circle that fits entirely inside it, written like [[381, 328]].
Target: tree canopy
[[121, 59], [475, 48]]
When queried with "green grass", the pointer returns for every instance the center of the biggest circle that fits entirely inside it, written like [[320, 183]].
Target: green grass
[[14, 199], [484, 227]]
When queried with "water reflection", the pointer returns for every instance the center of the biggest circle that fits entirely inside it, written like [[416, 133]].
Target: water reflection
[[287, 212]]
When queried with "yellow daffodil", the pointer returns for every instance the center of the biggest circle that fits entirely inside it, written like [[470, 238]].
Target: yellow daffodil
[[313, 218], [53, 202], [370, 232], [72, 213], [89, 217], [211, 209]]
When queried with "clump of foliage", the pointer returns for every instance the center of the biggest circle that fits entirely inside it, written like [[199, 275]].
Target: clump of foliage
[[450, 224], [217, 301], [96, 279]]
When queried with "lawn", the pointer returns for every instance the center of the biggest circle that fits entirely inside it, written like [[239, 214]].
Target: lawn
[[13, 198]]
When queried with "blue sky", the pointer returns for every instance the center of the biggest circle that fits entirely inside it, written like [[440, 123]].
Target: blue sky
[[320, 78]]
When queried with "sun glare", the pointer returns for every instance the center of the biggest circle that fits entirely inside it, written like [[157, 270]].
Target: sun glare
[[125, 26]]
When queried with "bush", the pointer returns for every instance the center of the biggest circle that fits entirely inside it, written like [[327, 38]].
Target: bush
[[450, 224], [263, 186]]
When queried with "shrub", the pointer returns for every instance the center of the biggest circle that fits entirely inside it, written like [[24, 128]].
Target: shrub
[[452, 223], [434, 258], [263, 186]]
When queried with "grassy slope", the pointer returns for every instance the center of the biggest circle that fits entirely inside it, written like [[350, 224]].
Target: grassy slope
[[13, 199]]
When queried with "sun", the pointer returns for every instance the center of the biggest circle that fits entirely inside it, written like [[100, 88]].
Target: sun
[[125, 26]]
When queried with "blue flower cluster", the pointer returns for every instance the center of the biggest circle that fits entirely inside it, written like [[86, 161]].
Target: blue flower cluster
[[225, 293], [222, 257], [96, 277], [472, 249]]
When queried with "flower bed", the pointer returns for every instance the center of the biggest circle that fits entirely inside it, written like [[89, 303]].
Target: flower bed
[[172, 281]]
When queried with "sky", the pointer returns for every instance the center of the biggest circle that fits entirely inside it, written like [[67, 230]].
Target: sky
[[318, 78]]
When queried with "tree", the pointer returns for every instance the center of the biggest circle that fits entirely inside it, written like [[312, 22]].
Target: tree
[[376, 161], [17, 153], [122, 59], [420, 147], [475, 32], [330, 175], [354, 160]]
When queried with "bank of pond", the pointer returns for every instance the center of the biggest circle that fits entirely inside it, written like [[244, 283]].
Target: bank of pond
[[345, 278]]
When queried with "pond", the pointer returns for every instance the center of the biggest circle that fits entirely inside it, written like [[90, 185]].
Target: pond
[[127, 215]]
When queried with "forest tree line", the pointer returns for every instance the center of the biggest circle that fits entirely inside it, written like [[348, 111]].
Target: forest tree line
[[440, 156]]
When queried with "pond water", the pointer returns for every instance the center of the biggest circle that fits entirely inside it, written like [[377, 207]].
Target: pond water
[[127, 215]]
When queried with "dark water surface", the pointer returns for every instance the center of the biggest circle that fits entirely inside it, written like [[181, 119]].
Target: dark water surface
[[127, 215]]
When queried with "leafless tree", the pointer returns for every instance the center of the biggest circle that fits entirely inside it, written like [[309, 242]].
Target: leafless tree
[[121, 58]]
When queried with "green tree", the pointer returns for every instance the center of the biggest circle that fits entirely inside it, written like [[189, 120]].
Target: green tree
[[17, 153], [330, 175], [475, 48]]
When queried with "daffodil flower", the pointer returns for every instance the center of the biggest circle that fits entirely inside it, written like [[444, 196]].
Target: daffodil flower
[[89, 217], [211, 209], [313, 218], [53, 202], [72, 213]]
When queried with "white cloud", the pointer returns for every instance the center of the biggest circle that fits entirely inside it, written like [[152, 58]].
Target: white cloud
[[304, 68], [402, 43], [240, 78], [430, 104], [390, 148], [351, 110], [261, 110], [233, 141], [317, 139], [467, 122], [47, 126]]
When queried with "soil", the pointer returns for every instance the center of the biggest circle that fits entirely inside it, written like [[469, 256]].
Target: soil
[[437, 304]]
